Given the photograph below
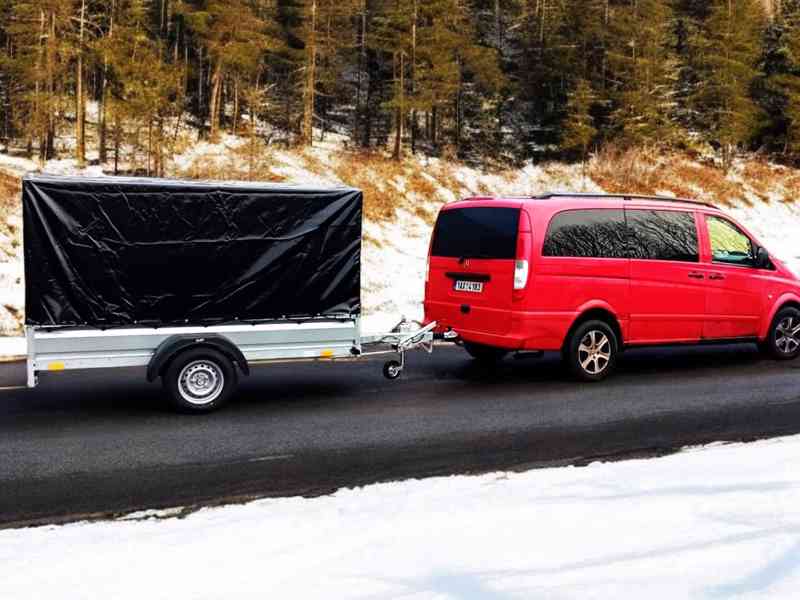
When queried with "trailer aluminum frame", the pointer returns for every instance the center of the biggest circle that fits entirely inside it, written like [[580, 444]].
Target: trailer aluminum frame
[[73, 348]]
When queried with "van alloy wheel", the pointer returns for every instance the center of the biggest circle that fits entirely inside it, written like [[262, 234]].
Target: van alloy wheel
[[594, 352], [591, 349], [787, 335]]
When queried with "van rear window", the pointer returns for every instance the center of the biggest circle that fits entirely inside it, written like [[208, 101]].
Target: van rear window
[[480, 232]]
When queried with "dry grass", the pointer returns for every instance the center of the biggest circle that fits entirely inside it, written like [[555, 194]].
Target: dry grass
[[372, 173], [419, 187], [236, 165], [388, 184], [10, 188], [765, 178], [649, 171], [713, 182]]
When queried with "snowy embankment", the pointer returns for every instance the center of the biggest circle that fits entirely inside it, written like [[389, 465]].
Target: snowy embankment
[[716, 522], [395, 246]]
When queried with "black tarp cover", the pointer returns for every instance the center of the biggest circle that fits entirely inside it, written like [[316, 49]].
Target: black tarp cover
[[108, 252]]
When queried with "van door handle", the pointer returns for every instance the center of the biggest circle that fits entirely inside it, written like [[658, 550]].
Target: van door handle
[[716, 277], [696, 275]]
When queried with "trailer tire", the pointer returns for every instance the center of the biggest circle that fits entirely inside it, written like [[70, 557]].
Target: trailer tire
[[199, 380]]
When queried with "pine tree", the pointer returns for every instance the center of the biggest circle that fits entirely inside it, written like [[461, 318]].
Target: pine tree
[[778, 89], [645, 72], [579, 130], [143, 89], [234, 38], [38, 30], [728, 49]]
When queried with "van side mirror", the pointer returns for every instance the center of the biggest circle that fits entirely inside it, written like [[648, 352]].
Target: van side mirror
[[762, 258]]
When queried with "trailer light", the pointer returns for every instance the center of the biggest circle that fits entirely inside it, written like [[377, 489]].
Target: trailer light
[[520, 274], [55, 366]]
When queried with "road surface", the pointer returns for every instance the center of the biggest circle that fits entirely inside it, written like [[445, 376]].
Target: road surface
[[102, 442]]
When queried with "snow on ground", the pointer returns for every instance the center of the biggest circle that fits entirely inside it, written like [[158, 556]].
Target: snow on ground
[[393, 271], [777, 226], [717, 522]]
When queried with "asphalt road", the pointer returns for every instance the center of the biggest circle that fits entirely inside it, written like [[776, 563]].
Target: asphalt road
[[102, 442]]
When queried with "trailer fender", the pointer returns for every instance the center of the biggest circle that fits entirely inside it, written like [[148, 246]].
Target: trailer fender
[[176, 344]]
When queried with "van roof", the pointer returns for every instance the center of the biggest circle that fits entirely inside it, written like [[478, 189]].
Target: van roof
[[593, 195]]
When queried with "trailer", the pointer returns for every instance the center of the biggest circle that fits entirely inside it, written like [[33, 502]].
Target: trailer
[[197, 282]]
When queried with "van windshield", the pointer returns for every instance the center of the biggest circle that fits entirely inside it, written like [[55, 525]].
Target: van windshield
[[480, 232]]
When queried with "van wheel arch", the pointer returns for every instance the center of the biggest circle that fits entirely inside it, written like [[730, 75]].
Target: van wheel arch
[[596, 314], [763, 341]]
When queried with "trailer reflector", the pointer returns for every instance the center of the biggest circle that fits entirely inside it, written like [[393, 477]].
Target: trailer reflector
[[55, 366]]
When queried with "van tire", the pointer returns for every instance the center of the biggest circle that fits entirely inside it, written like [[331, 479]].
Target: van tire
[[199, 380], [485, 354], [780, 344], [591, 351]]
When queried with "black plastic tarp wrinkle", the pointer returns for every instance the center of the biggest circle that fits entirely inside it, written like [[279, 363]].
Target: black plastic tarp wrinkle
[[113, 252]]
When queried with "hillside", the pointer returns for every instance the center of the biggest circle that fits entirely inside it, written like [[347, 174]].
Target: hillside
[[402, 200]]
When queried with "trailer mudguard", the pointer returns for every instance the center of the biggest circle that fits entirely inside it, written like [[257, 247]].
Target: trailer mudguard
[[172, 346]]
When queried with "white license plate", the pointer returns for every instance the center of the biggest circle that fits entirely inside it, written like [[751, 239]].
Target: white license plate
[[469, 286]]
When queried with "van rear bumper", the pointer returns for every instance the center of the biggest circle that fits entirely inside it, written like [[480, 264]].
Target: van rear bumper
[[529, 330]]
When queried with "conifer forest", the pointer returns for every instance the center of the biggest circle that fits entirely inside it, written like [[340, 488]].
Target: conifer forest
[[499, 80]]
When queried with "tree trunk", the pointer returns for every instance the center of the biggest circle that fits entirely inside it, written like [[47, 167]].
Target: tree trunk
[[149, 144], [459, 109], [38, 107], [498, 24], [216, 100], [309, 89], [398, 140], [117, 141], [415, 16], [236, 106], [51, 85], [80, 99], [200, 85], [102, 109], [362, 62], [252, 161]]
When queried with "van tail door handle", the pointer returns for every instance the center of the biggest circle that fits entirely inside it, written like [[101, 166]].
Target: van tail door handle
[[696, 275], [716, 277]]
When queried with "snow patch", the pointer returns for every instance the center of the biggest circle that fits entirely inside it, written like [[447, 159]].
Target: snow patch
[[719, 522]]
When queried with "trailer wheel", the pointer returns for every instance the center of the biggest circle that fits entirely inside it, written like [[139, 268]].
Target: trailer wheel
[[199, 380], [392, 369]]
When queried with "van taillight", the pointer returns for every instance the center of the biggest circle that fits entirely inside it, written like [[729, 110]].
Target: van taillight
[[428, 268], [524, 243], [520, 274]]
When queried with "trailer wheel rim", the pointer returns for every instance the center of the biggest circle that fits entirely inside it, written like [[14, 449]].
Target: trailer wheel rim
[[200, 382]]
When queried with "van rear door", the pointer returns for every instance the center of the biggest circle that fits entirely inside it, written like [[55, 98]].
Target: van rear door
[[471, 276]]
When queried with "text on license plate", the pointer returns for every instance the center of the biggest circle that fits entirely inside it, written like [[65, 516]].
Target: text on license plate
[[469, 286]]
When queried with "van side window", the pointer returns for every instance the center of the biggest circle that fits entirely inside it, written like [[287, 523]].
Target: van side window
[[663, 235], [595, 233], [728, 243]]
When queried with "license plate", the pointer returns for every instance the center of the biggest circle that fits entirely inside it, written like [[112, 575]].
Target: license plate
[[469, 286]]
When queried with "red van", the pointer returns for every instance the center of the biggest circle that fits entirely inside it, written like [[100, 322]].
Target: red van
[[589, 275]]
